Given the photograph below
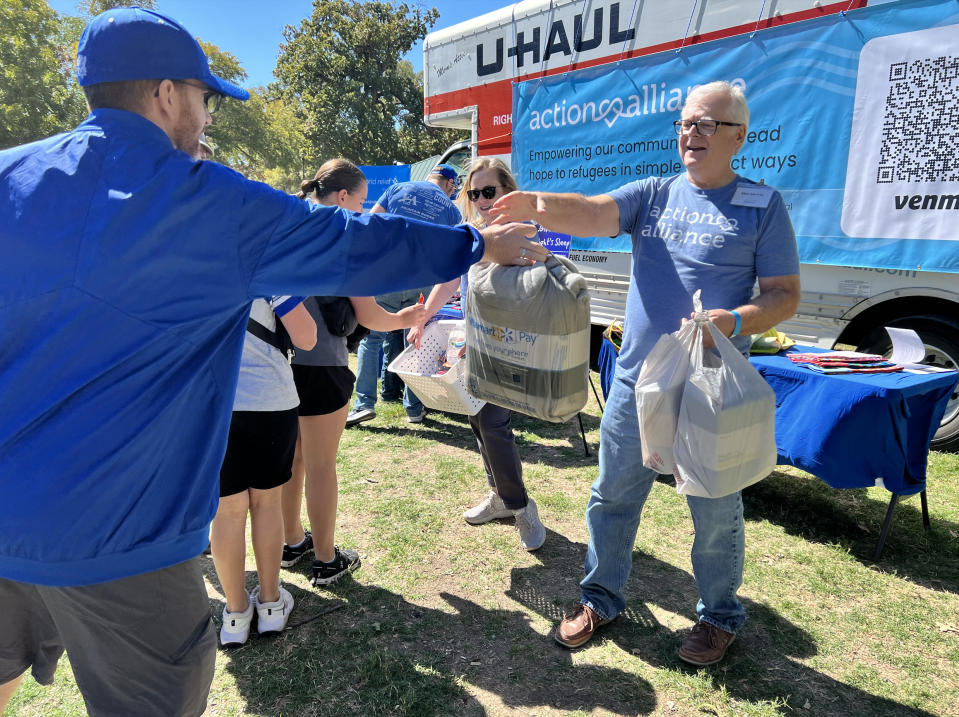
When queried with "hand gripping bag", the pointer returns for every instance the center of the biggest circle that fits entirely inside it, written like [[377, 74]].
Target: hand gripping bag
[[725, 436], [659, 394], [527, 337]]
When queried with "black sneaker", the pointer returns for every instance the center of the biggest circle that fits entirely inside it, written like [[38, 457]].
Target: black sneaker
[[293, 553], [343, 563]]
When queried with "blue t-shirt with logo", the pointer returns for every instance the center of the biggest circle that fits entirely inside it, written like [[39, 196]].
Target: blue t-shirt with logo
[[420, 200], [416, 200], [686, 238]]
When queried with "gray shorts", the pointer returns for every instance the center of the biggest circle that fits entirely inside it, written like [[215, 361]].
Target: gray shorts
[[143, 645]]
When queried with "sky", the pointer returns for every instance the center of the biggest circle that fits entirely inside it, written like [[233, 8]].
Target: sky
[[252, 30]]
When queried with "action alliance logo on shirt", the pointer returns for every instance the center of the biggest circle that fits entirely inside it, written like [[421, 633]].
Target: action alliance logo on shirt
[[685, 226]]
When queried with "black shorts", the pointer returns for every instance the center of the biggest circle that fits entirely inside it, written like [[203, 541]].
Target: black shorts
[[259, 452], [323, 389]]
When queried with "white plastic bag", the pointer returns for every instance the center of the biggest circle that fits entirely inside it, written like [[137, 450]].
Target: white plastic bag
[[659, 394], [725, 436]]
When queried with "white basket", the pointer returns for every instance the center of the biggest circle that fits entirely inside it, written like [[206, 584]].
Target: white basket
[[417, 366]]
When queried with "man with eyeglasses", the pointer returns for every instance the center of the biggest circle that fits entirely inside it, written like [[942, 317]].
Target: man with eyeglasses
[[708, 229], [125, 309], [428, 201]]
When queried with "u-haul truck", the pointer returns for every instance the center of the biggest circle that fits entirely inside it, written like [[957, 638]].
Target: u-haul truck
[[854, 120]]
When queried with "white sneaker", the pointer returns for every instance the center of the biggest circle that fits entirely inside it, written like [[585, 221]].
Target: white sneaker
[[236, 626], [272, 616], [359, 415], [490, 508], [532, 534], [416, 417]]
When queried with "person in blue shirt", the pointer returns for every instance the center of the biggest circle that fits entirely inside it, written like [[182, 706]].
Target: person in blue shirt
[[704, 229], [125, 308], [429, 201]]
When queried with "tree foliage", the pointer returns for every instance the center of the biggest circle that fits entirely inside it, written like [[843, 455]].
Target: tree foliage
[[342, 89], [92, 8], [342, 70], [261, 137], [37, 98]]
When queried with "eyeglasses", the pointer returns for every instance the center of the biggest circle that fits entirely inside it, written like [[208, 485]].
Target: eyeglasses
[[488, 192], [707, 128], [211, 99]]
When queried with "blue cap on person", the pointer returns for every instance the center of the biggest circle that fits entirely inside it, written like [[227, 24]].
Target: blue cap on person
[[448, 171], [132, 43]]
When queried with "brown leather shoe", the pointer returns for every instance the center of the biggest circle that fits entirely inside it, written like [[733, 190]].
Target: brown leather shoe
[[578, 626], [705, 645]]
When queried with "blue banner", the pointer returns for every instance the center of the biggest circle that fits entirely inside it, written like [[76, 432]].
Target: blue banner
[[849, 120], [379, 178]]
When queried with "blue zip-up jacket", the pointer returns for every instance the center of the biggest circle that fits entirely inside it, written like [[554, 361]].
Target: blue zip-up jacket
[[127, 271]]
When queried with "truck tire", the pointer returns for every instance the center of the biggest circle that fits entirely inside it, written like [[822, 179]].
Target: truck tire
[[941, 339]]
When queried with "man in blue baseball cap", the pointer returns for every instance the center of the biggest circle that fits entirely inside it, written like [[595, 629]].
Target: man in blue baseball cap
[[447, 172], [125, 310], [124, 53]]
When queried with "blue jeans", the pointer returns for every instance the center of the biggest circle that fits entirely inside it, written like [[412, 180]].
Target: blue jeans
[[369, 367], [612, 516]]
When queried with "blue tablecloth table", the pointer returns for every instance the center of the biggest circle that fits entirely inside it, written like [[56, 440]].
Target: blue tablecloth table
[[857, 430]]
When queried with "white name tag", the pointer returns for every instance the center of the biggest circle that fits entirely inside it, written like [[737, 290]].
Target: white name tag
[[752, 195]]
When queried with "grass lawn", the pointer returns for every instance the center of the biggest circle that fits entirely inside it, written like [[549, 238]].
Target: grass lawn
[[448, 619]]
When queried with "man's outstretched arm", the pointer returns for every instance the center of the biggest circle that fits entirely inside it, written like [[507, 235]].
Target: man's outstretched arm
[[574, 214]]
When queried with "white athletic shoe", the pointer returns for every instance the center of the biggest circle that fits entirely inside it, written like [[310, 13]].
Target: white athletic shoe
[[236, 626], [532, 534], [272, 617], [490, 508]]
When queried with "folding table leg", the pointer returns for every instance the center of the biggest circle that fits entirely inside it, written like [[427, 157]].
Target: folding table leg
[[593, 386], [925, 510], [582, 432], [893, 501]]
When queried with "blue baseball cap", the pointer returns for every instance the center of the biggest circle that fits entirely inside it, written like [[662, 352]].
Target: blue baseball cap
[[448, 171], [132, 43]]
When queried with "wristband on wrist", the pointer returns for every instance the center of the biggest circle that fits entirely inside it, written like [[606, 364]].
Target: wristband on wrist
[[739, 323]]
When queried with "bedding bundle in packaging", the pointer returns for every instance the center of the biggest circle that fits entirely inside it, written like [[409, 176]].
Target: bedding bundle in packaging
[[527, 337]]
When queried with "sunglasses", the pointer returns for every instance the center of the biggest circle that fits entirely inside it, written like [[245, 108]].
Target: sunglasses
[[211, 99], [487, 192]]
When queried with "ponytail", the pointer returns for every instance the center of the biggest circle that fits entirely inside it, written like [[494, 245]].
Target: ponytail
[[332, 176], [307, 187]]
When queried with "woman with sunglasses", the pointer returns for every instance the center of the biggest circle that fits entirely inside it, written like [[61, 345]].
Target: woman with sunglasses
[[324, 383], [488, 180]]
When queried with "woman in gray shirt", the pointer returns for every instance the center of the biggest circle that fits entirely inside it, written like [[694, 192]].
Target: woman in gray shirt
[[324, 383]]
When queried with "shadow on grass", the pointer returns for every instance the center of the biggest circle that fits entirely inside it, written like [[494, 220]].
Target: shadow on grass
[[454, 430], [813, 510], [358, 649], [382, 655], [761, 665]]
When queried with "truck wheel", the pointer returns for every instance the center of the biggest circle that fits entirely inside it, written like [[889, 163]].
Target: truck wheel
[[941, 340]]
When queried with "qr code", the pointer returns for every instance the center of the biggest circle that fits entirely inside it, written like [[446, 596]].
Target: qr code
[[920, 142], [902, 170]]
